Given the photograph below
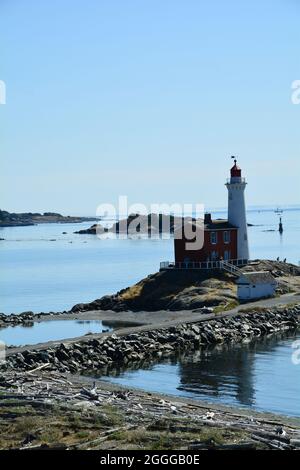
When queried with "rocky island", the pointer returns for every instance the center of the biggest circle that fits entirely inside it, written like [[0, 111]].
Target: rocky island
[[12, 219], [139, 224], [155, 224], [191, 289]]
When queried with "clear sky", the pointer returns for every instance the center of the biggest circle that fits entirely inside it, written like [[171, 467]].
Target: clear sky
[[147, 98]]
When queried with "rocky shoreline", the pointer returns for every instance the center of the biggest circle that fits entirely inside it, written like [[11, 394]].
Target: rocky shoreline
[[26, 318], [179, 289], [123, 350], [12, 219]]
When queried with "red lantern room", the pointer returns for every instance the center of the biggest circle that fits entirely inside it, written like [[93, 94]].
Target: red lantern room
[[235, 171]]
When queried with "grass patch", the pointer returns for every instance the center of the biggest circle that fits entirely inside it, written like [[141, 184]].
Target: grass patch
[[20, 425], [253, 310], [52, 425], [83, 434], [212, 435], [167, 435], [135, 436], [25, 425], [110, 416], [225, 307], [163, 442], [132, 292], [50, 435]]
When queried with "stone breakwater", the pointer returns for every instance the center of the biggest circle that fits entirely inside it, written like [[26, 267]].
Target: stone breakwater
[[108, 352], [26, 318], [14, 320]]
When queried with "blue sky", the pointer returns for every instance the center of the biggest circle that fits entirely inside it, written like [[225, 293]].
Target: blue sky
[[147, 99]]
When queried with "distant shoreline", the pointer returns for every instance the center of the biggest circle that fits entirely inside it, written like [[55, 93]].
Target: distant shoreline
[[23, 219]]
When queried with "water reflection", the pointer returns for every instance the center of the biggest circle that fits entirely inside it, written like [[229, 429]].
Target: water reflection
[[52, 330], [259, 374], [219, 371]]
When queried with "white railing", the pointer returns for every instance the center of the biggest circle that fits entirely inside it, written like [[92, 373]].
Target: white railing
[[201, 265], [230, 268]]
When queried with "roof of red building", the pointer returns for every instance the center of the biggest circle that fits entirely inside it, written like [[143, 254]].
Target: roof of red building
[[218, 224]]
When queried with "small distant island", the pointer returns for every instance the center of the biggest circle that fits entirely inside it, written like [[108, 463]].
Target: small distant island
[[141, 224], [12, 219]]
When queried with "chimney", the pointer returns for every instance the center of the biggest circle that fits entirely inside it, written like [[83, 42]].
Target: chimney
[[207, 218]]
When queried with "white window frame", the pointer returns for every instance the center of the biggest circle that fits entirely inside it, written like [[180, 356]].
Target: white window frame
[[215, 234], [226, 241]]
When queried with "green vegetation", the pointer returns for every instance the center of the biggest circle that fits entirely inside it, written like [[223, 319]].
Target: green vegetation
[[102, 427], [110, 416], [38, 425], [225, 307], [253, 310]]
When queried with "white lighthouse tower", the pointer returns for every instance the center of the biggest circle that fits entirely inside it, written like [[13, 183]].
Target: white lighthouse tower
[[237, 210]]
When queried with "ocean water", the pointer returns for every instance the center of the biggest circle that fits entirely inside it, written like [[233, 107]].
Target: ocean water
[[53, 330], [259, 375], [42, 269]]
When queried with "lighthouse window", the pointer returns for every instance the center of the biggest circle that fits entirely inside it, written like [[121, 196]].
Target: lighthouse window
[[213, 238], [226, 237]]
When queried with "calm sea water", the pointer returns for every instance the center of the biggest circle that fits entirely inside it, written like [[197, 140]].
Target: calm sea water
[[42, 269], [259, 375], [39, 274], [53, 330]]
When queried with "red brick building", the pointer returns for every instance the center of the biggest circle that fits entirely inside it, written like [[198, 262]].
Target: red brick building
[[219, 243]]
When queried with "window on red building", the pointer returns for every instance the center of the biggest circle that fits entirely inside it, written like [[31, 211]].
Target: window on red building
[[226, 236], [213, 238]]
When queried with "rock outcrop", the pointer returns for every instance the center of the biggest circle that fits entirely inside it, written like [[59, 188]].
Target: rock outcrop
[[135, 224], [169, 290], [190, 289], [25, 318], [14, 320]]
